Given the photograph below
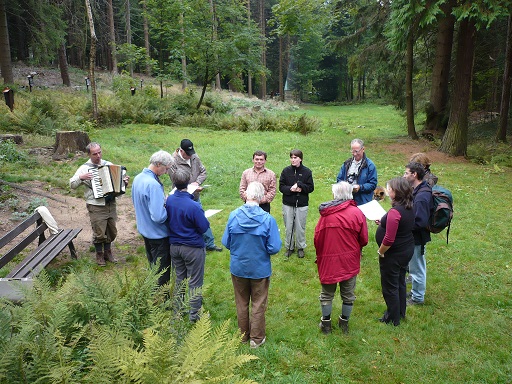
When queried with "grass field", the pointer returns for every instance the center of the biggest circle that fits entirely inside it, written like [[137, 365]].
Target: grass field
[[463, 333]]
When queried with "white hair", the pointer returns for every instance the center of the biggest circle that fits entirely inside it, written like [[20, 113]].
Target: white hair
[[255, 191], [357, 141], [342, 191], [161, 158]]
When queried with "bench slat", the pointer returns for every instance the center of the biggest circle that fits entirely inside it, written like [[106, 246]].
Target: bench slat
[[23, 244], [9, 236], [45, 253]]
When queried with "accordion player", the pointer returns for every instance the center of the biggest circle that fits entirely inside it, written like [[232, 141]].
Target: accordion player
[[108, 180]]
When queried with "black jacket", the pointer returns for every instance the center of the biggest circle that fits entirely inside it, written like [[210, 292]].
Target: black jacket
[[304, 178], [422, 198]]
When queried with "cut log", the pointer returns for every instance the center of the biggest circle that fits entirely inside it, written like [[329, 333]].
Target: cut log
[[16, 139], [70, 142]]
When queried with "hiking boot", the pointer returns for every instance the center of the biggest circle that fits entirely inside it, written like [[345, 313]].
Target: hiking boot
[[325, 326], [254, 344], [300, 253], [343, 324], [109, 256], [411, 301], [100, 259], [289, 252]]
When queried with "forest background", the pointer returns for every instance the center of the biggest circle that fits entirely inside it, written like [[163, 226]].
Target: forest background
[[444, 58]]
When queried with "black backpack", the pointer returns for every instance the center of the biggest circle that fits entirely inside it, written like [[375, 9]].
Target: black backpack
[[442, 210]]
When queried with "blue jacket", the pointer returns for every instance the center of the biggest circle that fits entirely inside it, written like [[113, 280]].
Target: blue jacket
[[148, 198], [252, 236], [187, 221], [367, 179]]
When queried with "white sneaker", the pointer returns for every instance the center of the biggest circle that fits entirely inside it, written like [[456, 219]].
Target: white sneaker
[[256, 345]]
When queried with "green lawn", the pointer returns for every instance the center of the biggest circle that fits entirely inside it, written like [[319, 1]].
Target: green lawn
[[462, 334]]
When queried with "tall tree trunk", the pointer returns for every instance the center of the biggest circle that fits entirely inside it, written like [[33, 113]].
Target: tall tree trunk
[[501, 134], [92, 61], [263, 26], [129, 31], [281, 60], [5, 48], [203, 90], [214, 37], [441, 71], [409, 95], [145, 24], [63, 65], [249, 74], [455, 139], [183, 55], [112, 37]]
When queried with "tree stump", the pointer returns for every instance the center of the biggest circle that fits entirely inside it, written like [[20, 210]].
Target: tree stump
[[69, 141], [16, 139]]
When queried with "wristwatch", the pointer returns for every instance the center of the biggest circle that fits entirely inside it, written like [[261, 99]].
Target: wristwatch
[[380, 254]]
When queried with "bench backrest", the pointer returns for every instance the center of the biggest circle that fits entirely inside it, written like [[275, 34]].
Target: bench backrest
[[13, 234]]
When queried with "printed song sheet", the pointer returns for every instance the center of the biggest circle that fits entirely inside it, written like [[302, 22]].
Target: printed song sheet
[[211, 212], [372, 210]]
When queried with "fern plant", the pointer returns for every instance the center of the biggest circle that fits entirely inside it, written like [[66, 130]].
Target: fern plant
[[120, 329]]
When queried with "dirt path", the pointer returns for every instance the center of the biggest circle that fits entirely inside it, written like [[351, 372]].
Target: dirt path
[[70, 212]]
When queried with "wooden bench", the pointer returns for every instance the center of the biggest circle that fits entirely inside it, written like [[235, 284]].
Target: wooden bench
[[46, 250]]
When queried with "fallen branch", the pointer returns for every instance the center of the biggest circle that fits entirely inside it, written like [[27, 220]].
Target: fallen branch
[[29, 190]]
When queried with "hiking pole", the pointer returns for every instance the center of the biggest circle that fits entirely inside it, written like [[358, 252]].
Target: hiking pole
[[293, 226]]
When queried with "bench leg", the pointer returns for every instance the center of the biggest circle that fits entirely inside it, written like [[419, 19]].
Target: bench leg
[[72, 250]]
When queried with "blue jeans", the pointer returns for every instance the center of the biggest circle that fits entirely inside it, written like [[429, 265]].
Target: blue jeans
[[418, 272], [209, 239]]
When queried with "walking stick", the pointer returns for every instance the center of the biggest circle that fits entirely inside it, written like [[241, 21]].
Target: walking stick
[[293, 227]]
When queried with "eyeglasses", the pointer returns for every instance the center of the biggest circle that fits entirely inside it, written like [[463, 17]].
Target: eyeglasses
[[356, 151]]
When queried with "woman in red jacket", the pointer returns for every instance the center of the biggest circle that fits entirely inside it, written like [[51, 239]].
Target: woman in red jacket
[[340, 235]]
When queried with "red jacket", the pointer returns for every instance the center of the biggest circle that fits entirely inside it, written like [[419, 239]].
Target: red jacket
[[340, 235]]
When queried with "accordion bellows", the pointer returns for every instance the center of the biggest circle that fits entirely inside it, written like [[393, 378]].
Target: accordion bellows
[[108, 180]]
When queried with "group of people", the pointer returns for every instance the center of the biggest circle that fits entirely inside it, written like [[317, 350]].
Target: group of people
[[177, 234], [402, 235]]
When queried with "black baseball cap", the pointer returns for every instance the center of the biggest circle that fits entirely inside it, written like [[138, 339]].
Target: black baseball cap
[[187, 146]]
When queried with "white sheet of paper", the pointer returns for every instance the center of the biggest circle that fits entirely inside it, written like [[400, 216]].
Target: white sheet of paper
[[372, 210], [211, 212], [190, 189]]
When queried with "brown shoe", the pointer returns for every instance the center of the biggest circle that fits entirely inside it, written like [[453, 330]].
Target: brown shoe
[[109, 256], [100, 259]]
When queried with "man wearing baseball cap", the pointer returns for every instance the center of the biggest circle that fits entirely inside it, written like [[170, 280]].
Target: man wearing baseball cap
[[186, 159]]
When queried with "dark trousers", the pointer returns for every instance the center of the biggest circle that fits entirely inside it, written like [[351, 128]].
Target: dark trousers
[[188, 263], [265, 207], [157, 252], [394, 291]]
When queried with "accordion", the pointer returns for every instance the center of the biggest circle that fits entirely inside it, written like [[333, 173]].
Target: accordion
[[108, 181]]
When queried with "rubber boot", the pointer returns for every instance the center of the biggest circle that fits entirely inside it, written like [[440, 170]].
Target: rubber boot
[[109, 256], [100, 259], [325, 326], [343, 324]]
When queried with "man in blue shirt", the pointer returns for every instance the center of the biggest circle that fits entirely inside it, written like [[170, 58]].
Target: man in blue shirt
[[149, 201], [187, 223]]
